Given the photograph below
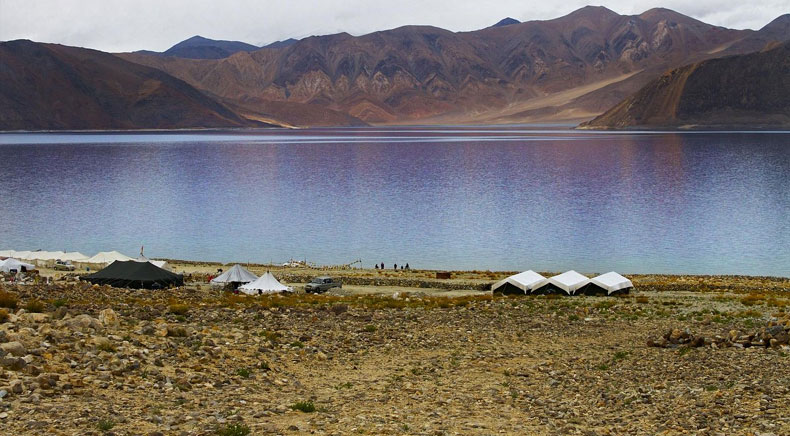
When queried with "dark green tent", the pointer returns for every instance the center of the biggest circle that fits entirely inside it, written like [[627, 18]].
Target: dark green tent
[[135, 275]]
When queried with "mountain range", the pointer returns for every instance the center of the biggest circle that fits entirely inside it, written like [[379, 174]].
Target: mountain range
[[55, 87], [751, 91], [572, 68]]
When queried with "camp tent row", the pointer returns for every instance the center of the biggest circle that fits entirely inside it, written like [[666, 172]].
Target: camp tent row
[[570, 283], [44, 257], [102, 258], [245, 281]]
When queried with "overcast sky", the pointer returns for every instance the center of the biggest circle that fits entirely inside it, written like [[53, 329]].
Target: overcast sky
[[116, 25]]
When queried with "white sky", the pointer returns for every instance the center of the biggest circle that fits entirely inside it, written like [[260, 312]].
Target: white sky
[[119, 25]]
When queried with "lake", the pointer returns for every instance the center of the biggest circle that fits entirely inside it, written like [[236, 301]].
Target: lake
[[500, 198]]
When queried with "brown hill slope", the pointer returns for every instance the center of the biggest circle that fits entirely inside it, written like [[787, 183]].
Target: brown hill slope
[[498, 74], [750, 90], [53, 87]]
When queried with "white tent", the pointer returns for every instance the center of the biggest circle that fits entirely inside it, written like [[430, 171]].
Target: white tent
[[21, 255], [612, 282], [266, 284], [10, 263], [236, 274], [158, 263], [107, 257], [74, 256], [48, 255], [568, 281], [7, 253], [524, 282]]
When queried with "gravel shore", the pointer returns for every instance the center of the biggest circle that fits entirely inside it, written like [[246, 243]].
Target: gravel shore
[[81, 359]]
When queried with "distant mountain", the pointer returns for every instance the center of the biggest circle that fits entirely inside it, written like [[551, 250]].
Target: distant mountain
[[506, 22], [750, 90], [55, 87], [570, 68], [280, 44], [198, 47], [778, 29]]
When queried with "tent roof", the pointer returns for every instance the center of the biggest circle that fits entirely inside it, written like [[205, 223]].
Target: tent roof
[[73, 255], [569, 281], [108, 257], [236, 274], [133, 274], [265, 283], [6, 253], [612, 282], [47, 255], [526, 281], [11, 263]]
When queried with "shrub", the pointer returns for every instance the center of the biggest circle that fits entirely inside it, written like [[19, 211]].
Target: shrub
[[297, 344], [106, 346], [34, 306], [304, 406], [271, 336], [8, 300], [177, 332], [243, 372], [233, 430], [105, 424], [370, 328], [620, 355], [337, 309], [179, 309], [752, 299], [60, 302]]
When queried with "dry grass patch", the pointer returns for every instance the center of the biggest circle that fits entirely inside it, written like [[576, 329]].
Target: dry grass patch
[[753, 299], [8, 300]]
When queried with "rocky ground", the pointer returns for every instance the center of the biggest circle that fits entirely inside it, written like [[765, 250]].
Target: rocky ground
[[86, 360]]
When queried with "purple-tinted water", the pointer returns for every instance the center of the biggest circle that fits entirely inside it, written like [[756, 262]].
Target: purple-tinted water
[[460, 198]]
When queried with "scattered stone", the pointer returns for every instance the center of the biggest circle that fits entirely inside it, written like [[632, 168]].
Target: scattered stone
[[14, 348]]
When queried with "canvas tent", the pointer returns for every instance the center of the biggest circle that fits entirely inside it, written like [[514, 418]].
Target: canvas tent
[[108, 257], [266, 284], [521, 283], [607, 284], [11, 263], [567, 282], [25, 255], [7, 253], [235, 276], [135, 275], [159, 263], [74, 256]]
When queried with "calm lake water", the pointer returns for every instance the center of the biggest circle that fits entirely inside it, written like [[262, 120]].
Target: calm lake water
[[459, 198]]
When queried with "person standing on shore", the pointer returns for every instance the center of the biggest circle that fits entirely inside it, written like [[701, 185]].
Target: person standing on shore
[[395, 267]]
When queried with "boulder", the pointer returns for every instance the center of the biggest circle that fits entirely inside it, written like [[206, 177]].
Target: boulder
[[108, 317], [81, 322], [14, 348]]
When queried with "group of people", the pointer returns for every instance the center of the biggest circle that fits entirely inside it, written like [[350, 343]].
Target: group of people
[[395, 266]]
